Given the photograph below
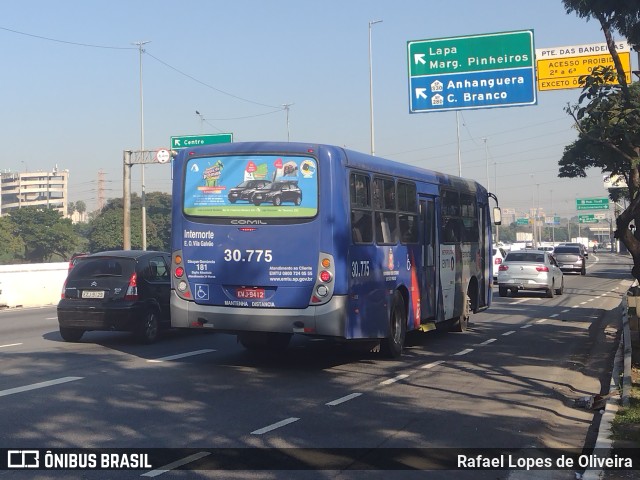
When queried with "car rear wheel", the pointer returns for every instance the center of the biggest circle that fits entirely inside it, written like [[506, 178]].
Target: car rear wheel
[[391, 347], [149, 329], [71, 334], [560, 290], [503, 292], [551, 291], [277, 201]]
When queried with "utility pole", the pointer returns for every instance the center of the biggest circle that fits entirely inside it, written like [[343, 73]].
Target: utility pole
[[286, 108], [373, 150]]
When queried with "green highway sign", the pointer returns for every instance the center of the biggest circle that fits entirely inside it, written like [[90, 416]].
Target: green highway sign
[[592, 203], [522, 221], [199, 140], [475, 71], [587, 218]]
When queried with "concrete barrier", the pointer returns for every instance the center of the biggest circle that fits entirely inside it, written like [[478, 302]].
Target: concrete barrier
[[32, 285]]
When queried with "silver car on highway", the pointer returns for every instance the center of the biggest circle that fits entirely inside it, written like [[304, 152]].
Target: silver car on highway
[[530, 270]]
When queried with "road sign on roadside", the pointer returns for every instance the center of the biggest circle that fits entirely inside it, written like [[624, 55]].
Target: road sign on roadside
[[561, 67], [199, 140], [592, 203], [476, 71], [587, 218]]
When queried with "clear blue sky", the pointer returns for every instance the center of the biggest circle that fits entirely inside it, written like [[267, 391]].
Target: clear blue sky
[[70, 86]]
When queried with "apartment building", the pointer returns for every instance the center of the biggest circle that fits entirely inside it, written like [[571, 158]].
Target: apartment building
[[37, 189]]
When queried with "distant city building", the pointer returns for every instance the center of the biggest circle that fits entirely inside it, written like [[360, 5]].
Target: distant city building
[[34, 189]]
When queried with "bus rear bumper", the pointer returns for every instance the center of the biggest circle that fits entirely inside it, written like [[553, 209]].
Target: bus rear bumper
[[328, 320]]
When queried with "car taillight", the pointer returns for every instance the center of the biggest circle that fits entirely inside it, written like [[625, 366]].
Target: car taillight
[[132, 289], [503, 268], [498, 261], [64, 288], [542, 269]]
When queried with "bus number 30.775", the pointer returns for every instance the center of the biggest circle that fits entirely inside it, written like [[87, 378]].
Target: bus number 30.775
[[237, 255], [360, 268]]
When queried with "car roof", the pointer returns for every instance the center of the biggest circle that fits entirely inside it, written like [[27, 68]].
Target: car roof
[[127, 253]]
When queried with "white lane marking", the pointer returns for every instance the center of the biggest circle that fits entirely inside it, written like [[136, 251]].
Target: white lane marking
[[509, 332], [394, 379], [176, 464], [51, 318], [526, 326], [10, 345], [542, 320], [463, 352], [487, 342], [591, 300], [35, 386], [554, 315], [433, 364], [582, 303], [274, 426], [565, 310], [180, 355], [346, 398]]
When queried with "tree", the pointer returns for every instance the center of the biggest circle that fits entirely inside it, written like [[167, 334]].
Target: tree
[[11, 244], [105, 230], [45, 233], [607, 116], [81, 207]]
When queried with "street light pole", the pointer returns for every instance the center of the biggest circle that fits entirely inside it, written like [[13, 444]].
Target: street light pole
[[486, 159], [140, 46], [286, 108], [371, 22]]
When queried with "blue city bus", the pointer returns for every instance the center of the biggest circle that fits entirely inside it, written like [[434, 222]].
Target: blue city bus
[[273, 239]]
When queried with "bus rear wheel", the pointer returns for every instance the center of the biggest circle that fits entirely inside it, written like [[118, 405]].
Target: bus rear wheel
[[391, 347]]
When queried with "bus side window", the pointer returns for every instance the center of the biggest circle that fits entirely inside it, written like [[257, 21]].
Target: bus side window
[[408, 209], [386, 228], [361, 229], [361, 213]]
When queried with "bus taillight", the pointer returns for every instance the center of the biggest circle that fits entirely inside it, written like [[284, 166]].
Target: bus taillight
[[325, 276], [178, 272]]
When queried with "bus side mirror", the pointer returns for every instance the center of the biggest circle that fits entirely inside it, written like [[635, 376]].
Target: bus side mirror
[[497, 216]]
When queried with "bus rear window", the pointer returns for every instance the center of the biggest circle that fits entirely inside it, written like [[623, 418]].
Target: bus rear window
[[251, 186]]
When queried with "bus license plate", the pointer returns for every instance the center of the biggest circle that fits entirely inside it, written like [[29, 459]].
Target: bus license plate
[[93, 294], [250, 293]]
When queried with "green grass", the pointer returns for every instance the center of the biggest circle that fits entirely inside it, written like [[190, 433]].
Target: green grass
[[626, 424]]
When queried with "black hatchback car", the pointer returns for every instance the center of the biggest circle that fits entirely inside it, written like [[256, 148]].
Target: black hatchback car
[[124, 290], [278, 192]]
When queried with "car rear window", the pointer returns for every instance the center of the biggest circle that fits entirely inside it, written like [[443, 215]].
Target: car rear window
[[88, 267], [567, 249], [525, 257]]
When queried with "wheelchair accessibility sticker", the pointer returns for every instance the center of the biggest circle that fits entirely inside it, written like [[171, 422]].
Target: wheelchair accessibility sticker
[[202, 291]]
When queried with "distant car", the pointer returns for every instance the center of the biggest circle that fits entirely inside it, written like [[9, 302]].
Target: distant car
[[546, 249], [278, 192], [245, 190], [583, 249], [123, 290], [530, 270], [498, 256], [570, 258]]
